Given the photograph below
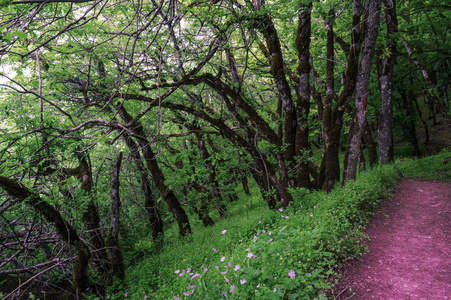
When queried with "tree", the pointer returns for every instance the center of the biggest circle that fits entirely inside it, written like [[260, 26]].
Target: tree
[[385, 130], [361, 97]]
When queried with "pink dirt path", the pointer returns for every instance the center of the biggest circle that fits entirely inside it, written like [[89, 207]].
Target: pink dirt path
[[409, 253]]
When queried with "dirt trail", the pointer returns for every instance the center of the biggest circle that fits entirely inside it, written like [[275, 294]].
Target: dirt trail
[[409, 253]]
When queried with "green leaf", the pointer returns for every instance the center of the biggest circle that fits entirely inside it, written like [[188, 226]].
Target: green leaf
[[8, 37], [21, 35]]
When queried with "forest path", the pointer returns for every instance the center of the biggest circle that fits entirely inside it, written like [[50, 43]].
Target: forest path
[[409, 253]]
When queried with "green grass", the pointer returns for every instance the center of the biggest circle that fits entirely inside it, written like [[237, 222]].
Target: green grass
[[257, 253]]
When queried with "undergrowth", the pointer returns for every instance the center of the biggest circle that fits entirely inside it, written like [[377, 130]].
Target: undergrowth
[[256, 253]]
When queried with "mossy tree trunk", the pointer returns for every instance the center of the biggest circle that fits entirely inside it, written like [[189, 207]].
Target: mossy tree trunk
[[385, 130], [302, 149], [332, 118], [361, 93]]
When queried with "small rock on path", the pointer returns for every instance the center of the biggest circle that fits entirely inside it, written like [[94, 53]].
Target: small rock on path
[[409, 253]]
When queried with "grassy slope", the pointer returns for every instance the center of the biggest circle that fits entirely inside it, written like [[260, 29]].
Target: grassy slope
[[270, 254]]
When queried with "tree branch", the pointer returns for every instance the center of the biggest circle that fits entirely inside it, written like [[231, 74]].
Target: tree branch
[[49, 1]]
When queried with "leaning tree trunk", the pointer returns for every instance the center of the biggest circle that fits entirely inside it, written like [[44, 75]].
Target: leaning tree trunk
[[156, 223], [385, 130], [262, 171], [157, 175], [428, 81], [64, 230], [361, 95], [167, 194]]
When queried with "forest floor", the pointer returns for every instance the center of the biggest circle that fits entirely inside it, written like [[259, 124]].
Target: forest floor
[[409, 249]]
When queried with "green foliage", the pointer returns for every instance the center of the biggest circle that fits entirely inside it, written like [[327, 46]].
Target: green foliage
[[431, 167], [281, 254], [4, 3]]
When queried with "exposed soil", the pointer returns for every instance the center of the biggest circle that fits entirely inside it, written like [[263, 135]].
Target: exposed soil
[[409, 249]]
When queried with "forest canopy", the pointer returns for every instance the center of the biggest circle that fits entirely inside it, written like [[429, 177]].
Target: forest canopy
[[151, 112]]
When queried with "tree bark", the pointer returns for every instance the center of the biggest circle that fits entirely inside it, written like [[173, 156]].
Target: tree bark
[[302, 148], [269, 32], [90, 215], [330, 165], [385, 130], [361, 96]]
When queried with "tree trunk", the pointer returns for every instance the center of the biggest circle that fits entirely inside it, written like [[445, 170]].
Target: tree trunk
[[157, 175], [303, 96], [117, 260], [330, 166], [64, 230], [156, 224], [429, 82], [370, 145], [425, 125], [91, 217], [385, 130], [269, 32], [245, 184], [361, 95], [265, 179], [407, 98]]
